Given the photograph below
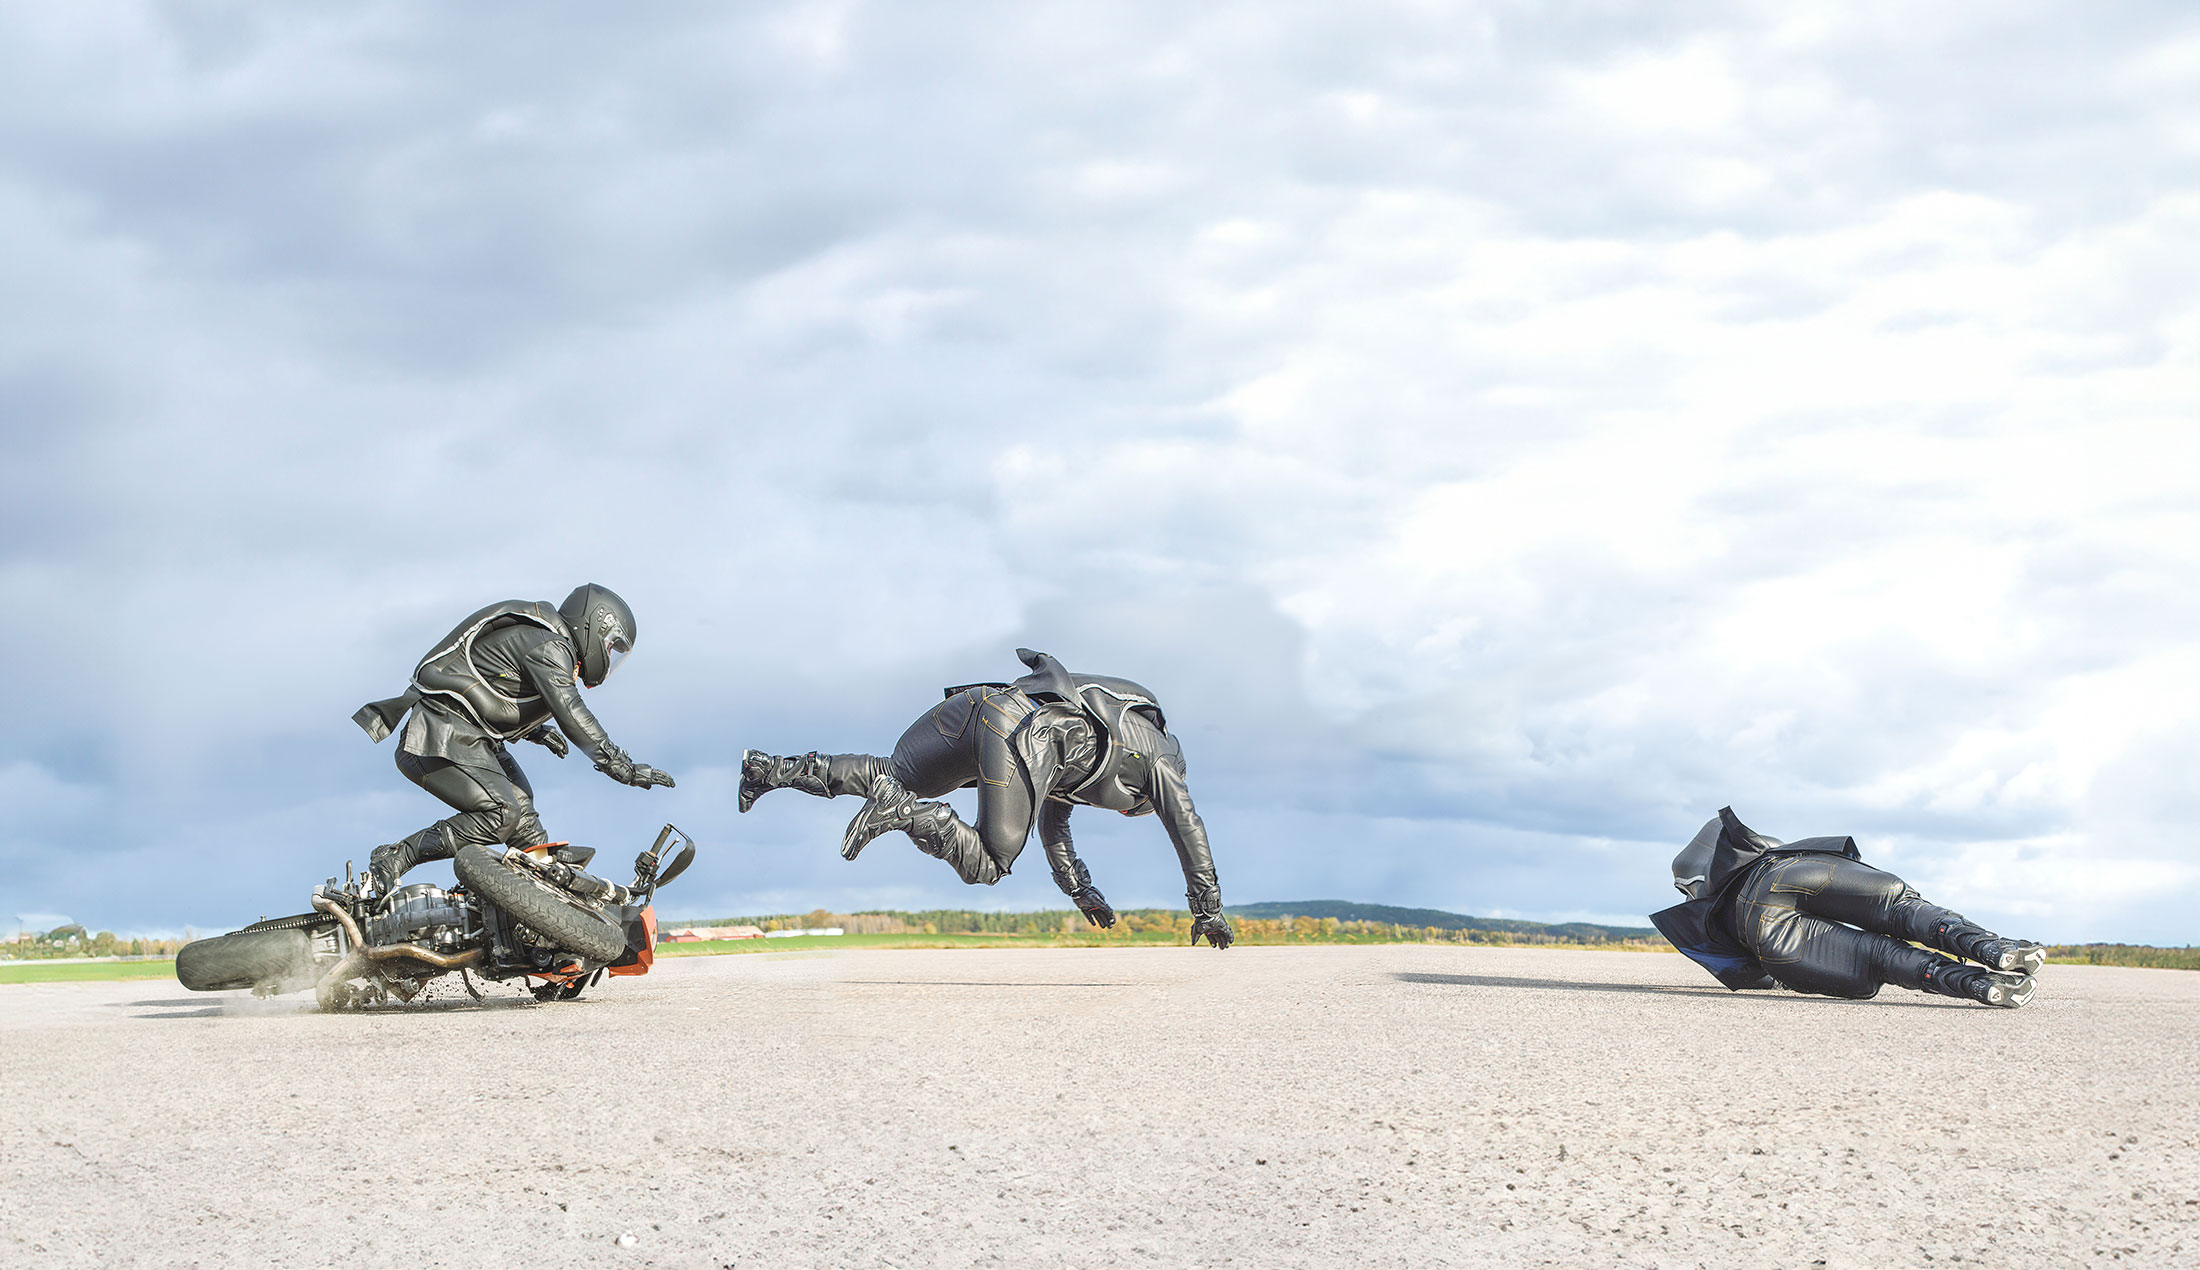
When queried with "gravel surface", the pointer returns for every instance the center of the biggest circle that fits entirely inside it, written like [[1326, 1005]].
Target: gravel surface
[[1264, 1107]]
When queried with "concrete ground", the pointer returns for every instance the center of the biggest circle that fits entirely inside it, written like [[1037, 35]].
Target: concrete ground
[[1264, 1107]]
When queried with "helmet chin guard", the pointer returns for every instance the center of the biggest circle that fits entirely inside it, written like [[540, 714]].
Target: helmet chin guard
[[603, 628]]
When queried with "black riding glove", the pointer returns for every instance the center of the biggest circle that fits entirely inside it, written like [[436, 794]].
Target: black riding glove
[[1215, 927], [1094, 906], [613, 762], [1076, 883], [550, 739]]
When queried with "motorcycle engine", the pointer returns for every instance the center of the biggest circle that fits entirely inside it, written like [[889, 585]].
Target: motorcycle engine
[[420, 914]]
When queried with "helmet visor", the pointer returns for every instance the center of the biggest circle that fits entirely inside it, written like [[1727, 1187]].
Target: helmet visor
[[615, 650]]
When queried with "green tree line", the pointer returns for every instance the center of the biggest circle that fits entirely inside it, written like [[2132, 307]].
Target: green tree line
[[75, 941], [1147, 925]]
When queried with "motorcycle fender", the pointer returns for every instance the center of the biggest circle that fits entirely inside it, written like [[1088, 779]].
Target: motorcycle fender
[[640, 952]]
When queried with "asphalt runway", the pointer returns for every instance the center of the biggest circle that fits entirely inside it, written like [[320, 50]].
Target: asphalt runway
[[1262, 1107]]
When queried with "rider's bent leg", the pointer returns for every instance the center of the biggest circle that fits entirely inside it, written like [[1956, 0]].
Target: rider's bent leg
[[978, 857], [492, 809], [1809, 953], [1860, 895], [964, 741]]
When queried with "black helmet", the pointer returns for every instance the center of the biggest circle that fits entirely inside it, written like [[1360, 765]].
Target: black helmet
[[602, 626]]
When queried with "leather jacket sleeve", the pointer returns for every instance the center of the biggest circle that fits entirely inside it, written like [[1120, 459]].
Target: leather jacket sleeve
[[1061, 853], [1172, 802], [549, 666]]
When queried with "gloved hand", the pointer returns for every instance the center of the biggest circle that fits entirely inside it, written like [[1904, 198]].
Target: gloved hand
[[614, 763], [1072, 876], [1215, 927], [1094, 906], [550, 739]]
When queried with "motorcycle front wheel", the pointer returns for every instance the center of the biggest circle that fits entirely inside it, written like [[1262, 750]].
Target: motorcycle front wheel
[[280, 959], [567, 921]]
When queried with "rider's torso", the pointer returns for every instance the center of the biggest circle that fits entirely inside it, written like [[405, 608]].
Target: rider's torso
[[490, 680]]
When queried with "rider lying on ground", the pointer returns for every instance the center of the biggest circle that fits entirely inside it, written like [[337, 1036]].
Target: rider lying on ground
[[1813, 917]]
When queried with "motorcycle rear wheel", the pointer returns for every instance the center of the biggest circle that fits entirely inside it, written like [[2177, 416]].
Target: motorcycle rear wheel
[[300, 922], [565, 920], [282, 959]]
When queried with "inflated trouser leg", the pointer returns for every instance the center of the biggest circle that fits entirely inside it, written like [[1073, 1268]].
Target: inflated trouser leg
[[527, 830], [963, 741], [939, 832], [1855, 893], [493, 807], [1907, 966], [1808, 954], [1789, 914], [983, 855]]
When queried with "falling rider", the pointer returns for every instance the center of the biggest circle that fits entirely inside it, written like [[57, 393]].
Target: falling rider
[[507, 673], [1811, 916], [1034, 749]]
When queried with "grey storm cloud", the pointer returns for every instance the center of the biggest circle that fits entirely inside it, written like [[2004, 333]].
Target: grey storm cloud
[[1502, 435]]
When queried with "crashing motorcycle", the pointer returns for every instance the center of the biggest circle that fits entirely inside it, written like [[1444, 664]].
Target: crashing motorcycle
[[534, 915]]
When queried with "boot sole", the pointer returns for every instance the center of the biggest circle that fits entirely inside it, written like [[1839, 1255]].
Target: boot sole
[[2010, 990], [748, 796]]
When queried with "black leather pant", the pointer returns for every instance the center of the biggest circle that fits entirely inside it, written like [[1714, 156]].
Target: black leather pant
[[966, 740], [1824, 924], [495, 804]]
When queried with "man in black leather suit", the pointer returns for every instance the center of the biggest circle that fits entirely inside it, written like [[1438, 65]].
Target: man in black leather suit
[[1813, 917], [1033, 749], [504, 674]]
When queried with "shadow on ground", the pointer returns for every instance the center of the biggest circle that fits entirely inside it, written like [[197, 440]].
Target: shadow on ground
[[302, 1003], [981, 983], [1664, 990]]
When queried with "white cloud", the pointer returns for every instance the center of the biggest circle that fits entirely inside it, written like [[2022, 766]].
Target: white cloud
[[1507, 439]]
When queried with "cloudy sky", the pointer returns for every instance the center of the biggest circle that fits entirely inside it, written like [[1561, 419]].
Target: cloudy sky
[[1501, 433]]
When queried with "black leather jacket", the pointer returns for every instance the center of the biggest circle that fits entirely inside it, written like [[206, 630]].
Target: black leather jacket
[[1136, 771], [504, 672], [1702, 928]]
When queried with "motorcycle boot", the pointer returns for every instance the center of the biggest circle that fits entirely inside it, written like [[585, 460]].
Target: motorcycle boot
[[1976, 983], [1952, 933], [394, 860], [762, 773], [819, 775], [2021, 956], [888, 808]]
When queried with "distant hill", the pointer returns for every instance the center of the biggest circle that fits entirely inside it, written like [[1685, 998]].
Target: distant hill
[[1350, 911]]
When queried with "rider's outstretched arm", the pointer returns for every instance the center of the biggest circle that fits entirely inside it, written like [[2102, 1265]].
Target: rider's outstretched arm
[[1172, 802], [1069, 871], [550, 667]]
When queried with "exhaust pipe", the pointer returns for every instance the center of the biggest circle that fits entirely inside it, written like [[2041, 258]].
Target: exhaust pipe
[[362, 954], [420, 952]]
